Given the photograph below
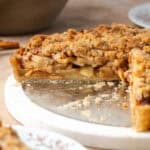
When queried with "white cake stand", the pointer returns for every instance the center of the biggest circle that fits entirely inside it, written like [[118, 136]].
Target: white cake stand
[[30, 114]]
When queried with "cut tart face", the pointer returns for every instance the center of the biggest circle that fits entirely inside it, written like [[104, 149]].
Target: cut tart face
[[140, 88], [100, 53], [9, 139]]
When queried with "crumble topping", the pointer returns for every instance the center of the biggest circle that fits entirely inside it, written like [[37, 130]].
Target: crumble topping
[[97, 53], [9, 139]]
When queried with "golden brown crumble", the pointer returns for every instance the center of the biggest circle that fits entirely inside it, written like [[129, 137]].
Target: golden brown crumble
[[9, 139], [100, 52], [125, 105]]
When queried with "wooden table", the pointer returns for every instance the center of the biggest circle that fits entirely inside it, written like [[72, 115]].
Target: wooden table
[[77, 14]]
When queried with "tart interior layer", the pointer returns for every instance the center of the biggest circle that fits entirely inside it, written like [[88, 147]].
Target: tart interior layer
[[97, 53], [140, 75], [140, 88]]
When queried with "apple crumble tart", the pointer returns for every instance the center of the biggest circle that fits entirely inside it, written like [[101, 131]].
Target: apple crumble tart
[[100, 53], [9, 139], [139, 61]]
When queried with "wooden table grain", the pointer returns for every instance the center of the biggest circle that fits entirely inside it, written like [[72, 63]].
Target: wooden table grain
[[77, 14]]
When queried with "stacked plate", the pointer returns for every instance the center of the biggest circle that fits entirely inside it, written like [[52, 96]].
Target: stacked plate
[[140, 15]]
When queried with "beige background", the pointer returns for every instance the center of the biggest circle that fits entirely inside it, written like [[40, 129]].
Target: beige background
[[76, 14]]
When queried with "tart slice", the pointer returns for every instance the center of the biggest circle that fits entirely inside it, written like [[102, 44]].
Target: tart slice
[[140, 88], [9, 139], [98, 53]]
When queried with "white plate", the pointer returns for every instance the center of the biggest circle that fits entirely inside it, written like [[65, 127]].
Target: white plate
[[38, 139], [140, 15], [90, 134]]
